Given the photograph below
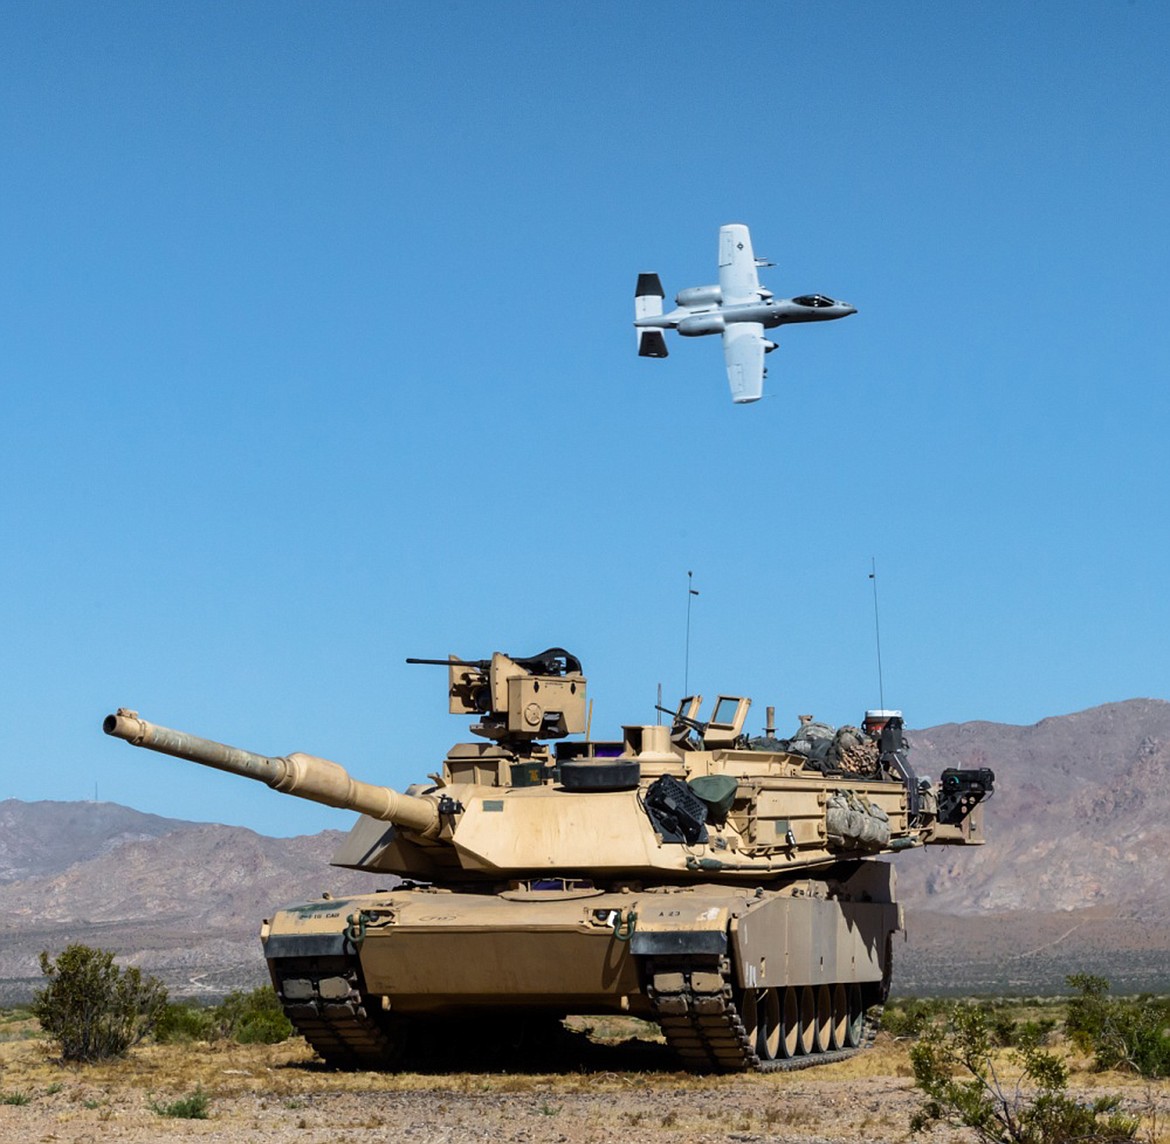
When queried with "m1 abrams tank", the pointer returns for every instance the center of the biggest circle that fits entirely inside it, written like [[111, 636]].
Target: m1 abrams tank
[[725, 887]]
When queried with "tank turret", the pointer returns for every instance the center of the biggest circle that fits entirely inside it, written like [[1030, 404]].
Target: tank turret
[[729, 887]]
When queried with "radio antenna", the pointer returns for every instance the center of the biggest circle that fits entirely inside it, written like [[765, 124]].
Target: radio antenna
[[877, 631], [687, 662]]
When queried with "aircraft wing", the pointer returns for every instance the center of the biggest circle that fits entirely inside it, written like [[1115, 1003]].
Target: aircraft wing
[[738, 279], [743, 353]]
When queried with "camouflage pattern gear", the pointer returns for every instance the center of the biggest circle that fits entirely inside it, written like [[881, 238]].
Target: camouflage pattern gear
[[854, 752]]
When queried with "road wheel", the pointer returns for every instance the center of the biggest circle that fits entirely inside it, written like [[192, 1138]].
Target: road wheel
[[768, 1042], [840, 1017], [790, 1022], [856, 1022], [824, 1029], [808, 1019]]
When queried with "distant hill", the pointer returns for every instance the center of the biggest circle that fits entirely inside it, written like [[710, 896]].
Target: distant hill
[[181, 900], [38, 838], [1080, 818], [1073, 876]]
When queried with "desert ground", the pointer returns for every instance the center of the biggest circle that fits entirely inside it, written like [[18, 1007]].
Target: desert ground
[[623, 1088]]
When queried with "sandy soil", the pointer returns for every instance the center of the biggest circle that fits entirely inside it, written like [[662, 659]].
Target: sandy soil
[[627, 1092]]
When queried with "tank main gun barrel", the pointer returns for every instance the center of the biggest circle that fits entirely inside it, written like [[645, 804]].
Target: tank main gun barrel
[[305, 776]]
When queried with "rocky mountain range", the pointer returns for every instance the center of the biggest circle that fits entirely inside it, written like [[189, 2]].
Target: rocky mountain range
[[1080, 817], [181, 900], [1073, 877]]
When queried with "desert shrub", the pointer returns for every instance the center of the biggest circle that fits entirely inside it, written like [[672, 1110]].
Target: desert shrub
[[1038, 1032], [1008, 1032], [1086, 1015], [1129, 1033], [252, 1018], [93, 1009], [1002, 1030], [247, 1017], [182, 1022], [14, 1098], [193, 1107], [907, 1017], [955, 1066]]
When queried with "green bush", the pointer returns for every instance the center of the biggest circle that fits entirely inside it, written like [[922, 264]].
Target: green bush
[[193, 1107], [246, 1017], [955, 1067], [93, 1009], [1007, 1032], [907, 1017], [1087, 1012], [254, 1018], [182, 1022], [1120, 1033]]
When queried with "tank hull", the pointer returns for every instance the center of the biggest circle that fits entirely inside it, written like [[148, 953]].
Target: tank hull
[[737, 979]]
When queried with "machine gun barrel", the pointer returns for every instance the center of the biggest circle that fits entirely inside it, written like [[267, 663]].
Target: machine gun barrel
[[686, 720], [305, 776], [478, 664]]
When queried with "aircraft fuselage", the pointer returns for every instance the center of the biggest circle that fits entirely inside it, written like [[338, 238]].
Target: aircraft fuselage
[[695, 321]]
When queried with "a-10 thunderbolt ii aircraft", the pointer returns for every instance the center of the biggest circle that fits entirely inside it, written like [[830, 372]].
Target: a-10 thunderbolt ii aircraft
[[738, 307]]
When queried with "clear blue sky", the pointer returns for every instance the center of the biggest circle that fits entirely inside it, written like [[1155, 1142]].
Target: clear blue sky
[[316, 353]]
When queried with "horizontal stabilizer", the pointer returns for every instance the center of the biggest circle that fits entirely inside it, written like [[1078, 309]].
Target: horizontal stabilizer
[[651, 343], [648, 297], [649, 285]]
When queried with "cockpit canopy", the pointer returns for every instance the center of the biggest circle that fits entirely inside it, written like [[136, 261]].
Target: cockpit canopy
[[815, 301]]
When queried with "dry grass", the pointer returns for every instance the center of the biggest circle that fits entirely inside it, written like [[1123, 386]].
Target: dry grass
[[278, 1093], [17, 1025]]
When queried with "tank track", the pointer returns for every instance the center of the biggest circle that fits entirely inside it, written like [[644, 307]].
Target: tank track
[[323, 999], [694, 1004]]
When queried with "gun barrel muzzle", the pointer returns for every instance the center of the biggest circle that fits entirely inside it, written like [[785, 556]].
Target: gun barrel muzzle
[[138, 732], [305, 776]]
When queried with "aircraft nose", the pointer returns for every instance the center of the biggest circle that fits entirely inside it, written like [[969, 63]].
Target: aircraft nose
[[847, 308]]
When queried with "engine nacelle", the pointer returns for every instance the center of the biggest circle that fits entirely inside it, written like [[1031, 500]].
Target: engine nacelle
[[699, 296], [699, 324]]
